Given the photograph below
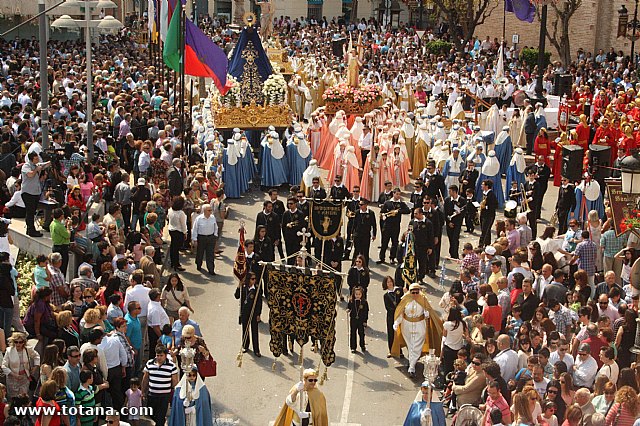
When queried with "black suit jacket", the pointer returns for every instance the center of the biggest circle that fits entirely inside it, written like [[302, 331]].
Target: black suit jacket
[[449, 210], [566, 198], [471, 177], [175, 182], [491, 205], [317, 194]]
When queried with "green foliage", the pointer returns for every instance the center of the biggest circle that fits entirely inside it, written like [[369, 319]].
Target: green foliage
[[438, 47], [530, 57], [25, 264]]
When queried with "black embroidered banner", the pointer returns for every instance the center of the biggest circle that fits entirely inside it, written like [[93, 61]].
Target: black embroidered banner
[[325, 219], [302, 306]]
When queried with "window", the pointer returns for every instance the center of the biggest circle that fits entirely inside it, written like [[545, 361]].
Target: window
[[314, 10]]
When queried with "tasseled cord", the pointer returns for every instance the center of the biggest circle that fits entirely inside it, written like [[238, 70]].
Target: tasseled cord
[[324, 376], [239, 359]]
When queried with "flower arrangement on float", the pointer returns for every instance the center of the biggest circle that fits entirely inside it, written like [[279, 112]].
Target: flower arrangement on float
[[275, 89], [362, 95], [232, 97]]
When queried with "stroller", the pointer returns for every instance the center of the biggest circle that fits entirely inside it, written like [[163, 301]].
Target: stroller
[[468, 415]]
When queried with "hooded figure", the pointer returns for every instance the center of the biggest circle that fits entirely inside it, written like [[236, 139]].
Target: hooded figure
[[350, 175], [249, 169], [191, 403], [457, 111], [593, 200], [408, 132], [328, 139], [311, 172], [417, 326], [453, 167], [478, 157], [298, 156], [439, 134], [232, 171], [491, 171], [421, 150], [493, 120], [273, 164], [504, 149], [356, 131], [314, 404], [417, 415], [370, 183], [432, 108], [541, 119], [515, 171]]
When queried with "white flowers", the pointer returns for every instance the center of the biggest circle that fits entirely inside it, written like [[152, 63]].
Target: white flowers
[[274, 89]]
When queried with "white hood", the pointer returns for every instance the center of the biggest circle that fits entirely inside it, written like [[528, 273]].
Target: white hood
[[491, 165], [232, 153], [312, 171], [518, 160]]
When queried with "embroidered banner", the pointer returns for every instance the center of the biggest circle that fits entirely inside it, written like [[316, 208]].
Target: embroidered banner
[[302, 306], [325, 219]]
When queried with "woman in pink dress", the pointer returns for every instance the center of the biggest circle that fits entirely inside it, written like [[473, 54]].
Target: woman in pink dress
[[329, 140], [369, 185], [400, 170], [337, 165], [386, 169], [350, 175]]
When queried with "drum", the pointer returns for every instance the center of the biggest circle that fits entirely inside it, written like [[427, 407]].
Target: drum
[[518, 97], [511, 209], [592, 191]]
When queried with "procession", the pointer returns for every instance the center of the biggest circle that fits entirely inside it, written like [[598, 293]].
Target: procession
[[425, 225]]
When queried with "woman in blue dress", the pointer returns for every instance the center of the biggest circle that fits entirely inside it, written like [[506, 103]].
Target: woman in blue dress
[[592, 200], [298, 156], [232, 173], [515, 171], [491, 171], [503, 149], [273, 167], [191, 404]]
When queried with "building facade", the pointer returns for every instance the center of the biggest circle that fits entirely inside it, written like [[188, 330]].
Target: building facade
[[593, 26]]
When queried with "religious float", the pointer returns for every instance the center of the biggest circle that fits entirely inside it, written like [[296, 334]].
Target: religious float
[[256, 98], [352, 97]]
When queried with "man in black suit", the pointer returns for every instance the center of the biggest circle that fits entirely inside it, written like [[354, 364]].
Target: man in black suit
[[530, 129], [272, 221], [338, 190], [434, 215], [250, 310], [364, 230], [353, 205], [423, 233], [393, 210], [489, 205], [293, 220], [436, 187], [566, 204], [279, 209], [468, 177], [174, 176], [543, 173], [417, 196], [454, 210], [533, 193], [332, 256], [316, 192]]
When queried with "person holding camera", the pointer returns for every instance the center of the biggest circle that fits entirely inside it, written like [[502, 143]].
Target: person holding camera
[[31, 190]]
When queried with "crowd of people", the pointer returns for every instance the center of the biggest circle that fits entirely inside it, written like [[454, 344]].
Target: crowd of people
[[538, 327]]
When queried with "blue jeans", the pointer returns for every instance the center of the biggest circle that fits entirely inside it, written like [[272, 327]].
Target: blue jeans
[[6, 316]]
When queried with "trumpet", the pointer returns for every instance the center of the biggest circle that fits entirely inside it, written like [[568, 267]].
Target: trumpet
[[391, 213], [292, 224], [525, 199], [483, 205]]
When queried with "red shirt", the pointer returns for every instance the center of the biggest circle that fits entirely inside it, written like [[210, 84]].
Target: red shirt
[[492, 315], [55, 419], [595, 343]]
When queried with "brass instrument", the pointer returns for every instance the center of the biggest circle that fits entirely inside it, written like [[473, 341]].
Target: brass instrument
[[391, 213], [351, 214], [483, 205], [554, 219], [292, 224], [525, 200]]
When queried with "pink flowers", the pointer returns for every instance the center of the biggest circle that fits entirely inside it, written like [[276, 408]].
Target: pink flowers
[[346, 94]]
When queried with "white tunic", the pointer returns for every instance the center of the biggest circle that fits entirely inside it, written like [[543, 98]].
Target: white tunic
[[413, 333]]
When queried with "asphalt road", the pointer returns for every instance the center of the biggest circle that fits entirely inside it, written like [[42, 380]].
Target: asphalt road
[[362, 389]]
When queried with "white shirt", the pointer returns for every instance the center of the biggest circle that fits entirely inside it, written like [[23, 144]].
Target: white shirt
[[611, 371], [585, 372], [541, 387], [177, 221], [102, 358], [114, 352], [508, 362], [16, 200], [555, 357], [365, 141], [140, 294], [204, 226], [156, 315], [454, 337]]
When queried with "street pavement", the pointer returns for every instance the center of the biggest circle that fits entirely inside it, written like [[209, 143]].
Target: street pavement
[[361, 389]]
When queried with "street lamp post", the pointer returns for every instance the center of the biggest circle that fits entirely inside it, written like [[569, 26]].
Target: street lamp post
[[421, 9], [44, 82], [541, 48], [107, 24]]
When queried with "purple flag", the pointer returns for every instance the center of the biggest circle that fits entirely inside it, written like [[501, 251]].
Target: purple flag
[[523, 9]]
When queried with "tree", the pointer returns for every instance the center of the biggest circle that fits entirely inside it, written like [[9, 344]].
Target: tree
[[464, 16], [559, 34]]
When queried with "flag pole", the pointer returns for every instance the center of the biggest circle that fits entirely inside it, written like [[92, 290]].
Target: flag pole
[[188, 142], [182, 41]]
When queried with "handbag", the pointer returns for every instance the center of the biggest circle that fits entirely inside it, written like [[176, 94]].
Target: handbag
[[208, 367]]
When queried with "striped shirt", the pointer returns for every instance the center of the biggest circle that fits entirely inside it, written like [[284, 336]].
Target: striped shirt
[[87, 399], [160, 376]]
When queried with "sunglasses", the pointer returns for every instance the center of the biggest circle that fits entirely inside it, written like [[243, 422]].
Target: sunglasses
[[312, 380], [582, 354], [20, 341], [191, 375], [476, 363], [111, 422], [415, 292], [552, 391]]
